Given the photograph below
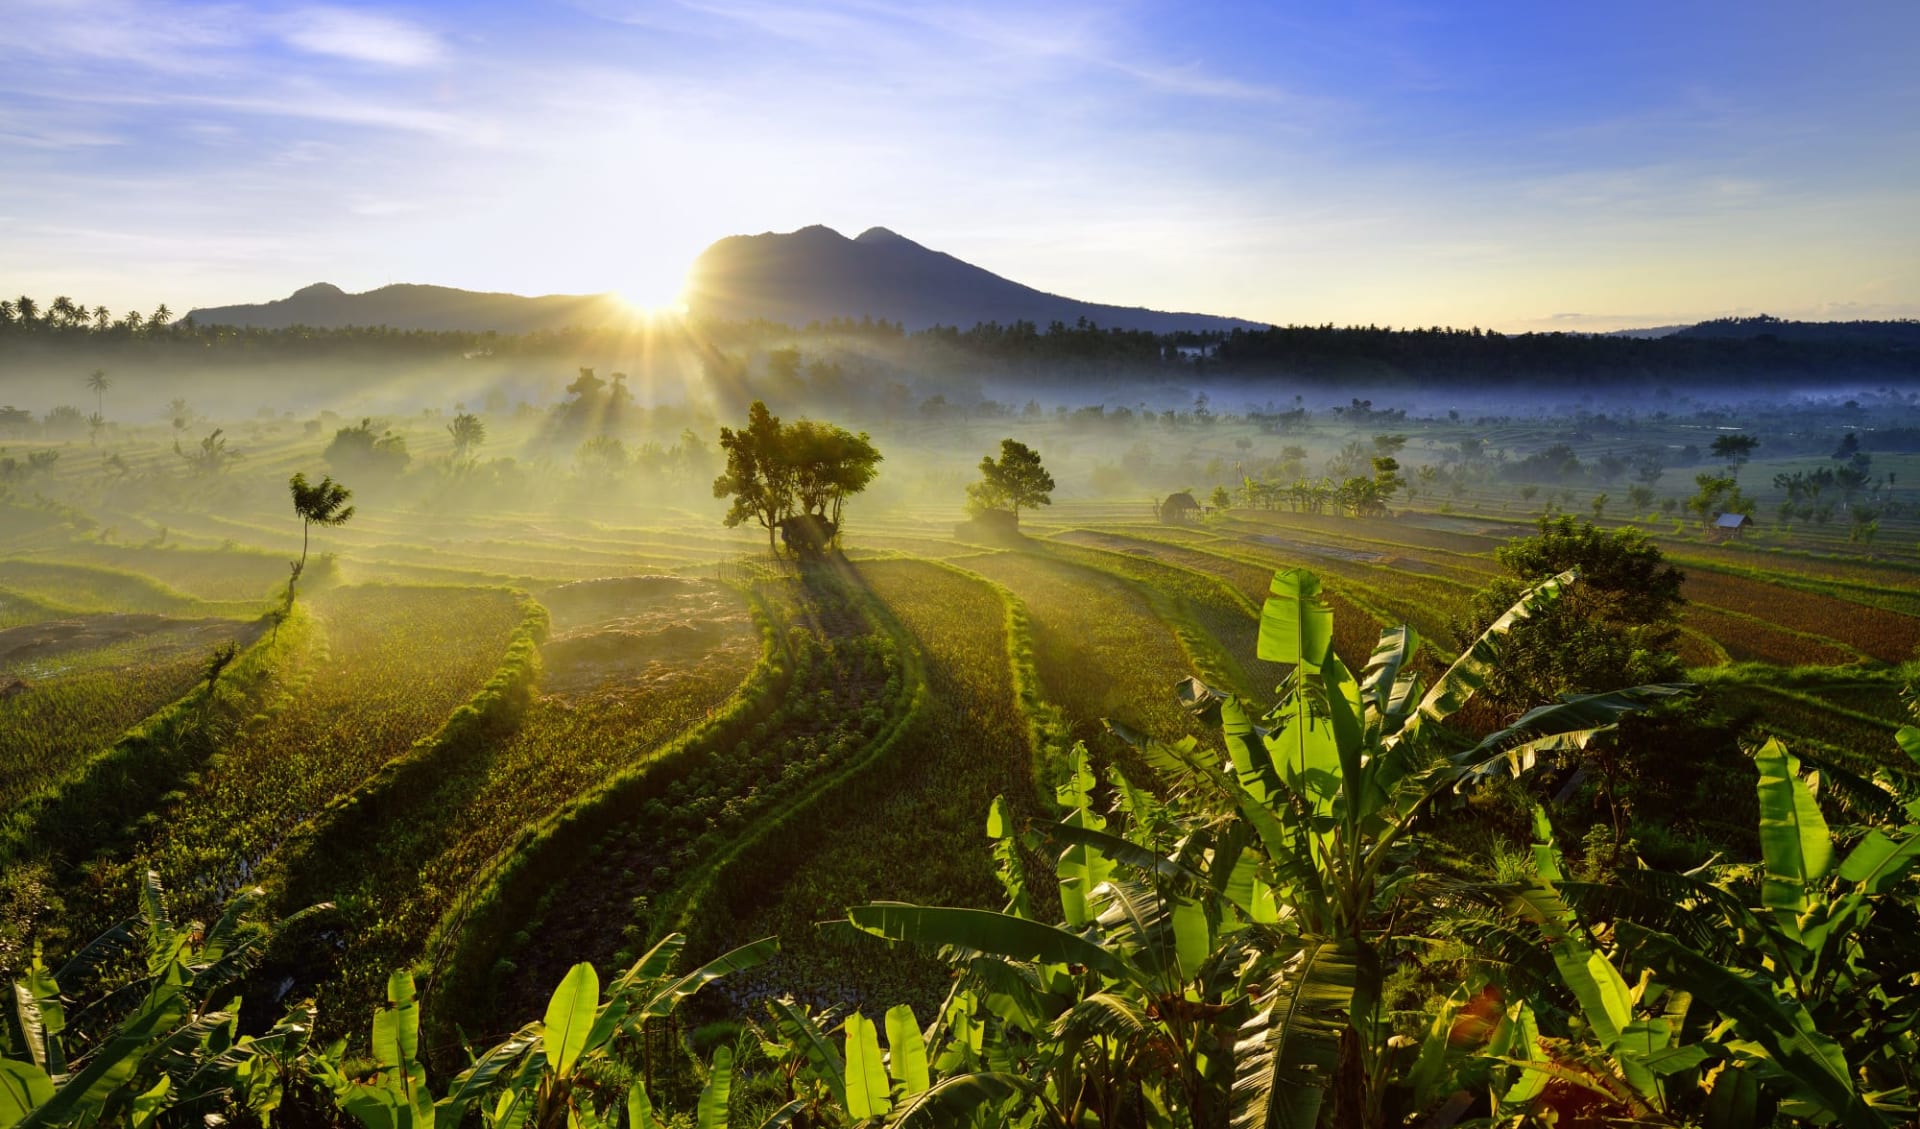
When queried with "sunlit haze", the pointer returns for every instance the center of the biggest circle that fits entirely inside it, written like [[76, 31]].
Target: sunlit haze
[[1507, 165]]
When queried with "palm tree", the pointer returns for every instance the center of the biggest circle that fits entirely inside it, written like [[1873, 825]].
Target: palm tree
[[60, 313], [27, 309], [98, 383]]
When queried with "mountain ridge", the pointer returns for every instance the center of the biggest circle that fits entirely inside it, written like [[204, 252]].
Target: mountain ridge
[[817, 274], [812, 274]]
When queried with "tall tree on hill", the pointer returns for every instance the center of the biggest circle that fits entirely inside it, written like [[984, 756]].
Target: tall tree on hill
[[1014, 481]]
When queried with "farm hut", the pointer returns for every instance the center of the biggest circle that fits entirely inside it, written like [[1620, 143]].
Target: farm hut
[[1731, 525], [807, 533], [1179, 509]]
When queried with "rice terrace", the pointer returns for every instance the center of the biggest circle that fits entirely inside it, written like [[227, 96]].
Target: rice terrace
[[836, 685]]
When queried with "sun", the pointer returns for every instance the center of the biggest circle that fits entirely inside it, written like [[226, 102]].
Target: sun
[[655, 299]]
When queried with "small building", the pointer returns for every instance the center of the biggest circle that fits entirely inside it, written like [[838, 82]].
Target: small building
[[1732, 525], [1179, 508]]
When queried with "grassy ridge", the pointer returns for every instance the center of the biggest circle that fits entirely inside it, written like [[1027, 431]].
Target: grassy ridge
[[856, 680], [96, 816], [387, 667], [1099, 649], [314, 855], [73, 703], [896, 824], [468, 945]]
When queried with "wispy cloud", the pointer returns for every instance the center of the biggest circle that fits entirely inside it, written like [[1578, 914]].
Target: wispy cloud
[[368, 37]]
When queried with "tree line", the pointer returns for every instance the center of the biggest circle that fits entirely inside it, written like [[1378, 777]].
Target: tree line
[[1765, 351]]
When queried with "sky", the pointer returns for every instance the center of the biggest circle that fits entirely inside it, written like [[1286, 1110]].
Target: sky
[[1516, 166]]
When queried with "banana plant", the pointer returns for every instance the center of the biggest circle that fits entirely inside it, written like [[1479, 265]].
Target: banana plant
[[1813, 993], [1123, 1012], [539, 1077], [176, 1050], [1334, 783]]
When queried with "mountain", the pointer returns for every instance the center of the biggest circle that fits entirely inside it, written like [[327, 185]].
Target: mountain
[[408, 306], [817, 274], [814, 274]]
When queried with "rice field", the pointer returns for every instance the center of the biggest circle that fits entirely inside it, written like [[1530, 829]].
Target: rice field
[[385, 667], [506, 740], [70, 688]]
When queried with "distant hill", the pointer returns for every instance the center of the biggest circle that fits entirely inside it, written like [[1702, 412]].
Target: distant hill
[[818, 274], [408, 306], [814, 274], [1647, 333], [1904, 334]]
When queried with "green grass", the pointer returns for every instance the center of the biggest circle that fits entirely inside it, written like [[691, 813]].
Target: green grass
[[1099, 648], [396, 859], [17, 610], [385, 668], [61, 709], [205, 574], [903, 835], [624, 862], [85, 588]]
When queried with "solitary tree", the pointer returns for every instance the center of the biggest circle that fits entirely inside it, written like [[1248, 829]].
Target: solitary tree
[[468, 432], [1736, 449], [826, 464], [98, 383], [1618, 627], [1014, 481], [321, 503], [793, 478], [364, 449]]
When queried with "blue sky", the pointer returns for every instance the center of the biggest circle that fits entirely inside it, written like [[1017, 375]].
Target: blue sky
[[1515, 165]]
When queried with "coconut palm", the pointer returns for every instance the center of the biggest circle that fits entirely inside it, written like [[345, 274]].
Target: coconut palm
[[98, 383]]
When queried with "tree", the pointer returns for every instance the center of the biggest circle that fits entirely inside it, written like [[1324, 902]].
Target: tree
[[1014, 481], [756, 477], [1386, 478], [1848, 448], [793, 479], [98, 383], [361, 448], [825, 465], [468, 432], [1617, 628], [1736, 449], [211, 457], [1718, 494], [322, 503]]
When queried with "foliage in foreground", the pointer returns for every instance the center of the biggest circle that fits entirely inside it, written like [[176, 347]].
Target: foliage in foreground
[[1220, 957]]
